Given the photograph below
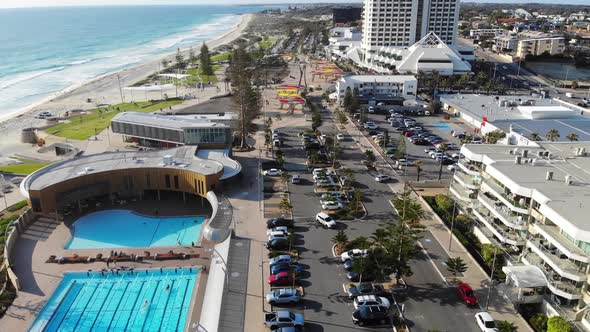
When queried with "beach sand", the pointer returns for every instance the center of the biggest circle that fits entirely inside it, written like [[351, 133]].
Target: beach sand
[[103, 90]]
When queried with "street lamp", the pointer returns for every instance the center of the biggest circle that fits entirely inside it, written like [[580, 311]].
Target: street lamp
[[216, 253]]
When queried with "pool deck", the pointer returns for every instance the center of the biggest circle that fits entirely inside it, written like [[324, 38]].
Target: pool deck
[[47, 237]]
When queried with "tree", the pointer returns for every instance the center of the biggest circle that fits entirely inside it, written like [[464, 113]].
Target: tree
[[506, 326], [400, 152], [445, 204], [191, 56], [341, 117], [539, 322], [494, 136], [385, 139], [409, 210], [347, 101], [572, 137], [536, 137], [245, 98], [205, 59], [180, 62], [558, 324], [285, 206], [434, 107], [443, 147], [456, 265], [370, 155], [418, 165], [575, 84], [348, 174], [552, 135], [340, 238], [280, 158]]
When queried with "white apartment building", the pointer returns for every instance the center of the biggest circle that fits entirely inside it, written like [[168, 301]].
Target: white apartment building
[[505, 44], [382, 87], [533, 203], [538, 46], [476, 33], [399, 23]]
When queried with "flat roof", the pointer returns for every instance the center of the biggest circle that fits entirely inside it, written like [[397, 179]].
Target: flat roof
[[572, 202], [378, 78], [165, 121], [184, 158]]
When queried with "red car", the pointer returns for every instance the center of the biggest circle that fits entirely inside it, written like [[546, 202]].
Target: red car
[[467, 294], [409, 133], [281, 279]]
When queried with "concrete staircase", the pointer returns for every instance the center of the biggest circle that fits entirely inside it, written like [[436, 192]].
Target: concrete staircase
[[40, 228]]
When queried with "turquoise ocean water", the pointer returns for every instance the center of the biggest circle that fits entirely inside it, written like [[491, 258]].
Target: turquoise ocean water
[[44, 51]]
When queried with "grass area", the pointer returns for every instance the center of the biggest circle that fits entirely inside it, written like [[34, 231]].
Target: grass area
[[267, 42], [221, 57], [86, 126], [206, 78], [25, 168]]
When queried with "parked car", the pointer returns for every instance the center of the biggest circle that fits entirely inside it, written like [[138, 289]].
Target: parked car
[[283, 296], [325, 220], [371, 315], [272, 172], [44, 115], [282, 229], [369, 300], [366, 289], [371, 127], [293, 268], [283, 318], [281, 259], [296, 179], [382, 178], [340, 137], [485, 322], [466, 293], [354, 253], [275, 222], [348, 265], [356, 277], [452, 167], [277, 243], [281, 279], [277, 235], [332, 205], [334, 194], [371, 109]]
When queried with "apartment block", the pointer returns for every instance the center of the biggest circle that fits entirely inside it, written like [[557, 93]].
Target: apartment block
[[387, 88], [538, 46], [532, 203]]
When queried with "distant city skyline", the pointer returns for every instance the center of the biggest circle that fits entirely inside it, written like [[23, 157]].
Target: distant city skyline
[[58, 3]]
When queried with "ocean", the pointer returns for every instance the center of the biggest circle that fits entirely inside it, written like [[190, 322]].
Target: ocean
[[44, 51]]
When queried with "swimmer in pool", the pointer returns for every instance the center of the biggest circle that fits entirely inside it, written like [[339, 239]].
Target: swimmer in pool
[[145, 304], [167, 287]]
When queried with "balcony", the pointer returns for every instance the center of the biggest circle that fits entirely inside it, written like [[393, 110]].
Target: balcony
[[501, 232], [461, 193], [467, 168], [563, 266], [468, 181], [554, 283], [552, 234], [499, 192], [499, 210]]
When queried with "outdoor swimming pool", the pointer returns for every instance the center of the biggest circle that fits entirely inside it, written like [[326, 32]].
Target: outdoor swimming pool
[[142, 300], [127, 229]]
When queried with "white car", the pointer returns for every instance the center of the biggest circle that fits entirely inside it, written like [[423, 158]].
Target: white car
[[367, 300], [372, 127], [332, 205], [382, 178], [340, 137], [272, 172], [325, 220], [44, 115], [335, 194], [278, 235], [371, 109], [281, 229], [452, 167], [354, 253], [485, 322], [283, 296]]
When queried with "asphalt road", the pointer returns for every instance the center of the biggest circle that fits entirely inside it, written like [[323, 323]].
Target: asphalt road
[[430, 304]]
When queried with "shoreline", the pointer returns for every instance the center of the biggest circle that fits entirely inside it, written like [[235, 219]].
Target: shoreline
[[100, 88]]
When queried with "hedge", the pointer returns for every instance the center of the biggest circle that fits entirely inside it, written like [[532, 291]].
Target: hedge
[[17, 206]]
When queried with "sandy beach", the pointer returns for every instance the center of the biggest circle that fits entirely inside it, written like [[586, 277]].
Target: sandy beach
[[104, 90]]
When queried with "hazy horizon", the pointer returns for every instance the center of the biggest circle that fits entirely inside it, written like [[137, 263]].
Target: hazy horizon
[[76, 3]]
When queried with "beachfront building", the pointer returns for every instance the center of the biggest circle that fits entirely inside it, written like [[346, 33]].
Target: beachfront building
[[390, 89], [539, 46], [211, 131], [531, 203]]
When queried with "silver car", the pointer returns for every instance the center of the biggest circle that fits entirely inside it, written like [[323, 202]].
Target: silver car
[[283, 296]]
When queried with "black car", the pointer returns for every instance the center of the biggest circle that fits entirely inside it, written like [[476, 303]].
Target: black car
[[356, 277], [367, 289], [348, 264], [373, 314], [277, 244], [275, 222]]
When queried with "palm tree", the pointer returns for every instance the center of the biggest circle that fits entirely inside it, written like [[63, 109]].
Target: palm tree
[[418, 165], [572, 137], [552, 135], [506, 326], [536, 137], [443, 148], [340, 238], [456, 265]]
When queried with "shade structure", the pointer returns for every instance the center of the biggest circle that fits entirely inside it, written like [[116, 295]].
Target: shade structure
[[524, 276], [177, 76]]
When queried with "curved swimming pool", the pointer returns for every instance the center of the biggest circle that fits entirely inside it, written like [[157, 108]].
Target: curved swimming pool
[[127, 229]]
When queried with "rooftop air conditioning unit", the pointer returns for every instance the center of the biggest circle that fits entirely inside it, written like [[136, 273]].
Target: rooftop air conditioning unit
[[517, 160], [568, 180], [549, 176], [168, 160], [525, 153]]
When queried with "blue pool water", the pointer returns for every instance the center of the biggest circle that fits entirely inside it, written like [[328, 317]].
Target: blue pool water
[[126, 229], [127, 301]]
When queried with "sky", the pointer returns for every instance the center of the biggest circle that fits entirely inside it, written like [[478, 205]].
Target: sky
[[52, 3]]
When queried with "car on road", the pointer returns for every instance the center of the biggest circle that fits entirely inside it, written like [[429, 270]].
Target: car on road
[[354, 253], [485, 322], [371, 315], [293, 268], [283, 318], [277, 243], [275, 222], [340, 137], [281, 279], [382, 178], [283, 296], [272, 172], [281, 259], [325, 220], [332, 205], [296, 179], [466, 293], [366, 289], [369, 300]]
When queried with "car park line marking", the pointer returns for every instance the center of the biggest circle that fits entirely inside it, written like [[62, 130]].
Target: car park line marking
[[433, 265]]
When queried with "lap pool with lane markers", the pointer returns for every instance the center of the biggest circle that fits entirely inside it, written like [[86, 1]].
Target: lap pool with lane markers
[[141, 300]]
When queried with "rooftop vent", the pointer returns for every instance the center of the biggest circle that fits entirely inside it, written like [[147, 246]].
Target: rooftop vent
[[517, 160], [568, 180], [167, 160], [525, 153], [549, 176]]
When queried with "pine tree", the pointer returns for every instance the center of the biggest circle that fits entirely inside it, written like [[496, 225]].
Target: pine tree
[[245, 97], [205, 59]]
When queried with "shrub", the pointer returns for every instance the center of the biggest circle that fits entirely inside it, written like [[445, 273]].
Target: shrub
[[17, 206], [539, 322], [558, 324]]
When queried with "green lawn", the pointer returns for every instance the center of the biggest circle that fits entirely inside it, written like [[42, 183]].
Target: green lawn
[[86, 126], [267, 43], [221, 57], [206, 78], [26, 168]]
